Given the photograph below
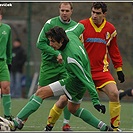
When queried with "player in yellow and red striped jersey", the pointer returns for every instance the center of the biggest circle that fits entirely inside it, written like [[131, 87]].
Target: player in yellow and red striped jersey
[[100, 42]]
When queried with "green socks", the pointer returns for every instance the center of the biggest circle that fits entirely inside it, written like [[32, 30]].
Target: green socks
[[6, 101], [89, 118], [67, 115], [30, 107]]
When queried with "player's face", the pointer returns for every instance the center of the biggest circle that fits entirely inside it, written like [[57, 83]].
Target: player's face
[[54, 43], [97, 16], [65, 12]]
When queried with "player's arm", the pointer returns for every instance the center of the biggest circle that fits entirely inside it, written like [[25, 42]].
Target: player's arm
[[9, 47], [116, 58], [78, 69], [115, 53], [77, 29], [43, 43]]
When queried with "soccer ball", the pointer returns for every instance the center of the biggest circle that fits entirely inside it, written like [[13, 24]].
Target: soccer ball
[[4, 126]]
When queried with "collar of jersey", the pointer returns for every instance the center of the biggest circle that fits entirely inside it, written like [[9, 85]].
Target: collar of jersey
[[64, 21], [98, 29]]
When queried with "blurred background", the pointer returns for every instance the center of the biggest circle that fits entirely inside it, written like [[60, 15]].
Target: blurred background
[[27, 19]]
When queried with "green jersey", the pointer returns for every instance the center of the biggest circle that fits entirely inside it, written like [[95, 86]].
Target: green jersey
[[78, 67], [48, 53], [5, 43], [50, 69], [5, 51]]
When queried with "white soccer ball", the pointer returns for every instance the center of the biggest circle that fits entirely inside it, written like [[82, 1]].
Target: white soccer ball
[[4, 126]]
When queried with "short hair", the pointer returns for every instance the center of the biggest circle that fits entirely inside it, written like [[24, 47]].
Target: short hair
[[66, 3], [57, 33], [98, 5]]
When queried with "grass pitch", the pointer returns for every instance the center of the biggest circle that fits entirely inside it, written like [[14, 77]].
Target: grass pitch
[[37, 121]]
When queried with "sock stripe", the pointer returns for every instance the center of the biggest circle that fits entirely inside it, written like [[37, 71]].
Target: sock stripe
[[101, 124], [65, 121], [81, 112], [36, 101]]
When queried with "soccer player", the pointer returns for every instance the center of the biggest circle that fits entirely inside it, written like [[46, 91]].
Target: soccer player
[[73, 86], [52, 68], [100, 42], [5, 65]]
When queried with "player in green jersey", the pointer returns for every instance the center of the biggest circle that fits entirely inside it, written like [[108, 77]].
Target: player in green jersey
[[5, 64], [74, 86], [52, 68]]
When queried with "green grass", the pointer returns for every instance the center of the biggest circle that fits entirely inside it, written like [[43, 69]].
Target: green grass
[[37, 121]]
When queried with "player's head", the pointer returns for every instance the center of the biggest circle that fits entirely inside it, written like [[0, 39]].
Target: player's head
[[98, 5], [98, 12], [57, 38], [65, 10]]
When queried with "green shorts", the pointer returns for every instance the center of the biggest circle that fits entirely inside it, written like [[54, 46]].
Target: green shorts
[[51, 72], [74, 89], [4, 72]]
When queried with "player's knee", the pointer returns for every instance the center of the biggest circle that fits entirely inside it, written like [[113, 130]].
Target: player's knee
[[44, 92], [62, 102], [63, 98], [114, 96], [5, 90], [40, 92], [73, 109]]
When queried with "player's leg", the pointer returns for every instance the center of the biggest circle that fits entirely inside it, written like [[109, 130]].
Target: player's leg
[[6, 101], [123, 93], [41, 80], [54, 89], [35, 102], [31, 106], [114, 109], [55, 112], [87, 117], [114, 104], [12, 85], [57, 109], [5, 90], [67, 115]]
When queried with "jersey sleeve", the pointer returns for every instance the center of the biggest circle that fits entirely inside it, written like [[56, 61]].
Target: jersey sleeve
[[115, 53], [43, 43], [77, 29], [9, 48], [85, 77]]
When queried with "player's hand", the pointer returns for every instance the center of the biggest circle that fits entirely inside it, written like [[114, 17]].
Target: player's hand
[[59, 58], [121, 76], [101, 108]]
